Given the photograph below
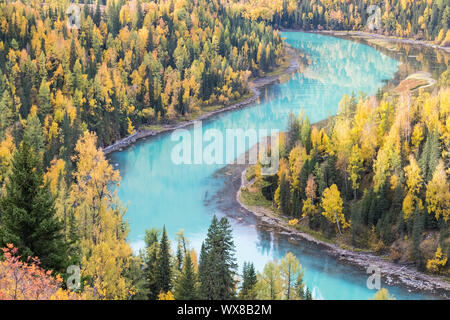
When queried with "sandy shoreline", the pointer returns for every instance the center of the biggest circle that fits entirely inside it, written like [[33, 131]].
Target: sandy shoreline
[[254, 85]]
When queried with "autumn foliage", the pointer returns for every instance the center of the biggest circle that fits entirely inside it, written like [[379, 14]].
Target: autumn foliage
[[28, 281]]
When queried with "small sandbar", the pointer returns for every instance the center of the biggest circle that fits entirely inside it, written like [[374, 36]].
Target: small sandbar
[[415, 81]]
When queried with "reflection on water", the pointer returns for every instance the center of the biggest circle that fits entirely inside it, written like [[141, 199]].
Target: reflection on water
[[158, 192], [412, 58]]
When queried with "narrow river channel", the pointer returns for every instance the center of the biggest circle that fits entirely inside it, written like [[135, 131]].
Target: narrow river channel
[[159, 192]]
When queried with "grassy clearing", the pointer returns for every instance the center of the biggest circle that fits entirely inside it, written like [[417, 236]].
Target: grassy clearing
[[252, 196], [154, 127]]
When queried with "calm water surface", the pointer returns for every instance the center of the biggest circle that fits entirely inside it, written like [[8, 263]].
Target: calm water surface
[[158, 192]]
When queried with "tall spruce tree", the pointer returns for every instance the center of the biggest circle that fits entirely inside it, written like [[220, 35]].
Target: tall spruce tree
[[28, 216], [164, 267], [187, 288], [430, 155], [293, 131], [249, 281], [151, 263], [217, 267]]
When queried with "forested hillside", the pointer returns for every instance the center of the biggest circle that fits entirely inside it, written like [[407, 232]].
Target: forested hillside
[[375, 177], [378, 174], [65, 92], [132, 65], [419, 19]]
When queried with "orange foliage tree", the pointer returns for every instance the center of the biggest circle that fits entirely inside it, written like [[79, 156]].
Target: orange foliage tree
[[28, 281]]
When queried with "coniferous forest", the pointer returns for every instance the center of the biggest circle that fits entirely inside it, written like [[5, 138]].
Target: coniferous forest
[[372, 178]]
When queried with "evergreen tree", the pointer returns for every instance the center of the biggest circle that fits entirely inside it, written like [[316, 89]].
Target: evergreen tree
[[293, 131], [305, 134], [430, 155], [300, 288], [284, 195], [97, 14], [164, 276], [139, 15], [44, 98], [203, 268], [73, 54], [151, 265], [179, 257], [217, 267], [33, 134], [308, 294], [186, 288], [249, 281], [28, 216], [6, 112], [181, 250]]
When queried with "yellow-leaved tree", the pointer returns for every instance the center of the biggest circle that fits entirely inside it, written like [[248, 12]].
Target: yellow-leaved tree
[[166, 296], [438, 193], [7, 149], [332, 206], [439, 261], [99, 217], [383, 294], [413, 183]]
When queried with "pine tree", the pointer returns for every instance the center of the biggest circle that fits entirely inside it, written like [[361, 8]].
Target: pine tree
[[45, 106], [73, 54], [283, 196], [139, 15], [305, 134], [300, 288], [186, 288], [98, 14], [33, 134], [293, 131], [164, 277], [6, 112], [28, 216], [179, 257], [249, 281], [181, 250], [151, 265], [203, 274], [217, 267], [308, 294], [430, 156]]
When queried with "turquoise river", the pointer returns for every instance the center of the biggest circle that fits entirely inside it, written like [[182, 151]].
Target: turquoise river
[[158, 192]]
